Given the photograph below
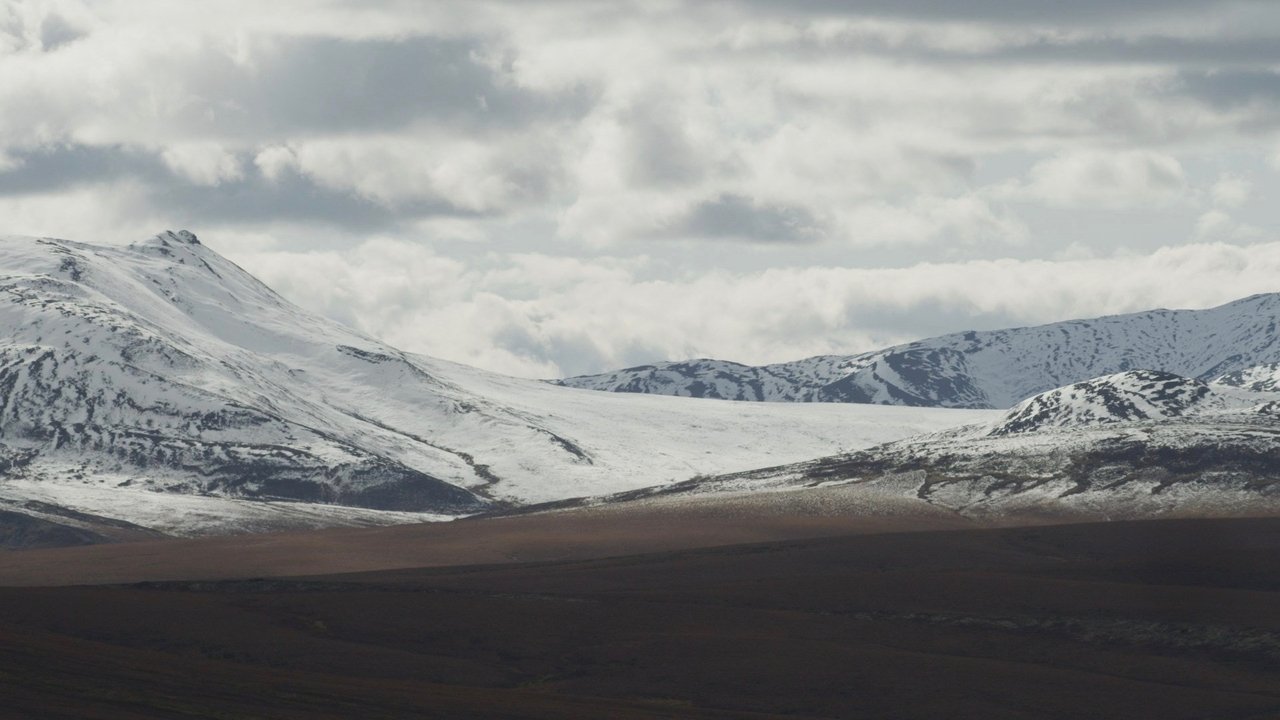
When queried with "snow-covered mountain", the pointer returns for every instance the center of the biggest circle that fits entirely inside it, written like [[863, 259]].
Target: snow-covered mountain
[[994, 369], [161, 385], [1129, 445]]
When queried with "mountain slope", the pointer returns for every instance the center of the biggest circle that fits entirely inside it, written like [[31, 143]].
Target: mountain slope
[[1259, 378], [995, 369], [161, 384]]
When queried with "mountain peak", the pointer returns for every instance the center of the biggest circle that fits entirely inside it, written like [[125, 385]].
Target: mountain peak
[[182, 236], [166, 242]]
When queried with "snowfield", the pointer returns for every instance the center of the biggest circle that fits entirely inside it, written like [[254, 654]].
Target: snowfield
[[1137, 444]]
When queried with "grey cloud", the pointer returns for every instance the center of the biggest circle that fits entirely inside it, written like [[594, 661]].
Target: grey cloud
[[313, 84], [738, 217], [1171, 51], [1102, 47], [1182, 52], [22, 33], [661, 153], [56, 31], [251, 199], [999, 11], [289, 198], [576, 352], [66, 166], [1232, 87], [572, 353]]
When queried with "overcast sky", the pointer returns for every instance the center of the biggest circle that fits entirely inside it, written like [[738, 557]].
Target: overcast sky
[[548, 188]]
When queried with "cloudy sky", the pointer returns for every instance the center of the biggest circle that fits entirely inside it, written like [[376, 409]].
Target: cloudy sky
[[561, 187]]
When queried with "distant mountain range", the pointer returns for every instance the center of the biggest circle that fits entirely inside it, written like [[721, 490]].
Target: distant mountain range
[[994, 369], [158, 388]]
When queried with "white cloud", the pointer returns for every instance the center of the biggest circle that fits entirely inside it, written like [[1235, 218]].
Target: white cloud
[[1107, 179], [1214, 223], [1231, 191], [202, 163], [97, 213], [396, 170], [968, 220], [542, 316], [1217, 224], [274, 161]]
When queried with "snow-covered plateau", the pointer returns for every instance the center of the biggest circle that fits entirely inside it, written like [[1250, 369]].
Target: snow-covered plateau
[[158, 387], [1136, 444]]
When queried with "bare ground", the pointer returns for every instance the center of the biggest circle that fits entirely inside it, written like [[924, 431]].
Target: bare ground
[[803, 614]]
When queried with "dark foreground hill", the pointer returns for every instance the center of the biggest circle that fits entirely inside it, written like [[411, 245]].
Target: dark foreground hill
[[1153, 619]]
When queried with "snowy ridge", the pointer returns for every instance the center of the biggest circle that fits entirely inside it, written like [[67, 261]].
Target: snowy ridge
[[163, 370], [1123, 397], [1260, 378], [717, 379], [995, 369]]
